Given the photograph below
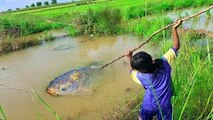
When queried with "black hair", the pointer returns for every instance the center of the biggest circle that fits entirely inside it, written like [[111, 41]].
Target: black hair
[[142, 62]]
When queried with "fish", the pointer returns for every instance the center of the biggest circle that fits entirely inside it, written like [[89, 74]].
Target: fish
[[73, 81]]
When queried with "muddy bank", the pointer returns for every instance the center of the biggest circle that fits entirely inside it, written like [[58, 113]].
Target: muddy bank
[[10, 44]]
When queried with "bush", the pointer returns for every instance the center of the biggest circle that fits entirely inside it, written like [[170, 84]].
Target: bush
[[27, 6], [105, 21], [46, 3], [54, 2], [134, 12], [32, 5], [38, 4]]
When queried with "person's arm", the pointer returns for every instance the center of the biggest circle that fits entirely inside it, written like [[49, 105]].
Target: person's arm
[[131, 70], [129, 56], [176, 41], [171, 54]]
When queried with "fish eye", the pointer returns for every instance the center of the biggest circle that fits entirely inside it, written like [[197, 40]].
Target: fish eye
[[63, 88]]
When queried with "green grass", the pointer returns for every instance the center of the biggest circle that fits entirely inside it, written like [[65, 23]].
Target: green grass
[[57, 117], [192, 81], [192, 78], [10, 44], [3, 113], [35, 20]]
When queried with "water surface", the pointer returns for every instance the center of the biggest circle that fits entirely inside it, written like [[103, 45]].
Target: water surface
[[35, 67]]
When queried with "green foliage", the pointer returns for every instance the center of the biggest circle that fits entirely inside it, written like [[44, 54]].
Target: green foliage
[[134, 12], [26, 25], [191, 79], [38, 4], [72, 31], [27, 6], [53, 1], [105, 21], [32, 5], [46, 3], [9, 10], [147, 26]]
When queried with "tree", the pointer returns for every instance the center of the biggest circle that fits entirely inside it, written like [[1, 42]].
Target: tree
[[38, 4], [9, 10], [32, 5], [54, 2], [46, 3], [17, 8], [27, 6]]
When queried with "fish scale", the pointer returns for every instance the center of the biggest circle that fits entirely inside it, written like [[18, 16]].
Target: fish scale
[[71, 81]]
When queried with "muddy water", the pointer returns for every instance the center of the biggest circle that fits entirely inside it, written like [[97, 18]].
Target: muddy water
[[202, 22], [37, 66]]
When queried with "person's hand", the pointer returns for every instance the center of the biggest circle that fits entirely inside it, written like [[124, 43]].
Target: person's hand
[[129, 54], [177, 23]]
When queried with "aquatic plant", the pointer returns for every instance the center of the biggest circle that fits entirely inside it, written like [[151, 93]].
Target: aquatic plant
[[46, 106], [3, 113]]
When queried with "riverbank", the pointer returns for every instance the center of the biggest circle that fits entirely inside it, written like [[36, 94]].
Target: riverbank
[[13, 44], [192, 76], [27, 22], [116, 25]]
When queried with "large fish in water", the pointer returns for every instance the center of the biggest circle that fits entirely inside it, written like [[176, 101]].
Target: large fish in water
[[73, 81]]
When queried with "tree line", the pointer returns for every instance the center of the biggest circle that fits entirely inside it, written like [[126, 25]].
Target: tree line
[[37, 4]]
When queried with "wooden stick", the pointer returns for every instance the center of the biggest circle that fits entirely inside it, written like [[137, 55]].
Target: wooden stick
[[153, 34]]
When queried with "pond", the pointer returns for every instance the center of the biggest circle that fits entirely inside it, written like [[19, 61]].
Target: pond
[[35, 67]]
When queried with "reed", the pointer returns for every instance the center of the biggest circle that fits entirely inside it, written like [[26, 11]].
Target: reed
[[57, 117], [3, 113]]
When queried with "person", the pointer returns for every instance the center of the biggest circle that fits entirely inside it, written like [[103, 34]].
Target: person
[[155, 77]]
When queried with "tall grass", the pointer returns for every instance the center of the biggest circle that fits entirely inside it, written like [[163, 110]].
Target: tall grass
[[3, 113], [24, 25], [9, 44], [57, 117], [146, 26], [105, 21], [192, 79], [34, 22]]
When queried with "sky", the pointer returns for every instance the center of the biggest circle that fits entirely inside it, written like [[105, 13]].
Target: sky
[[13, 4]]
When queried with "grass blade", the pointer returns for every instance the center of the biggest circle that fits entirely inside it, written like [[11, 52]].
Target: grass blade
[[187, 99], [210, 96], [36, 109], [2, 112], [47, 106]]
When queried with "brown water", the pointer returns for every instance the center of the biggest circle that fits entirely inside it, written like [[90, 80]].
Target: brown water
[[35, 67]]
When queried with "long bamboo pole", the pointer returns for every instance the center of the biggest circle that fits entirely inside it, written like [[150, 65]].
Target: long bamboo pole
[[156, 32]]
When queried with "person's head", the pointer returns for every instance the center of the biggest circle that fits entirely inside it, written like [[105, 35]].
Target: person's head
[[143, 62]]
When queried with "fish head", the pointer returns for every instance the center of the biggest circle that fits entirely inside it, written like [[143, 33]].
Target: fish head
[[62, 87]]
